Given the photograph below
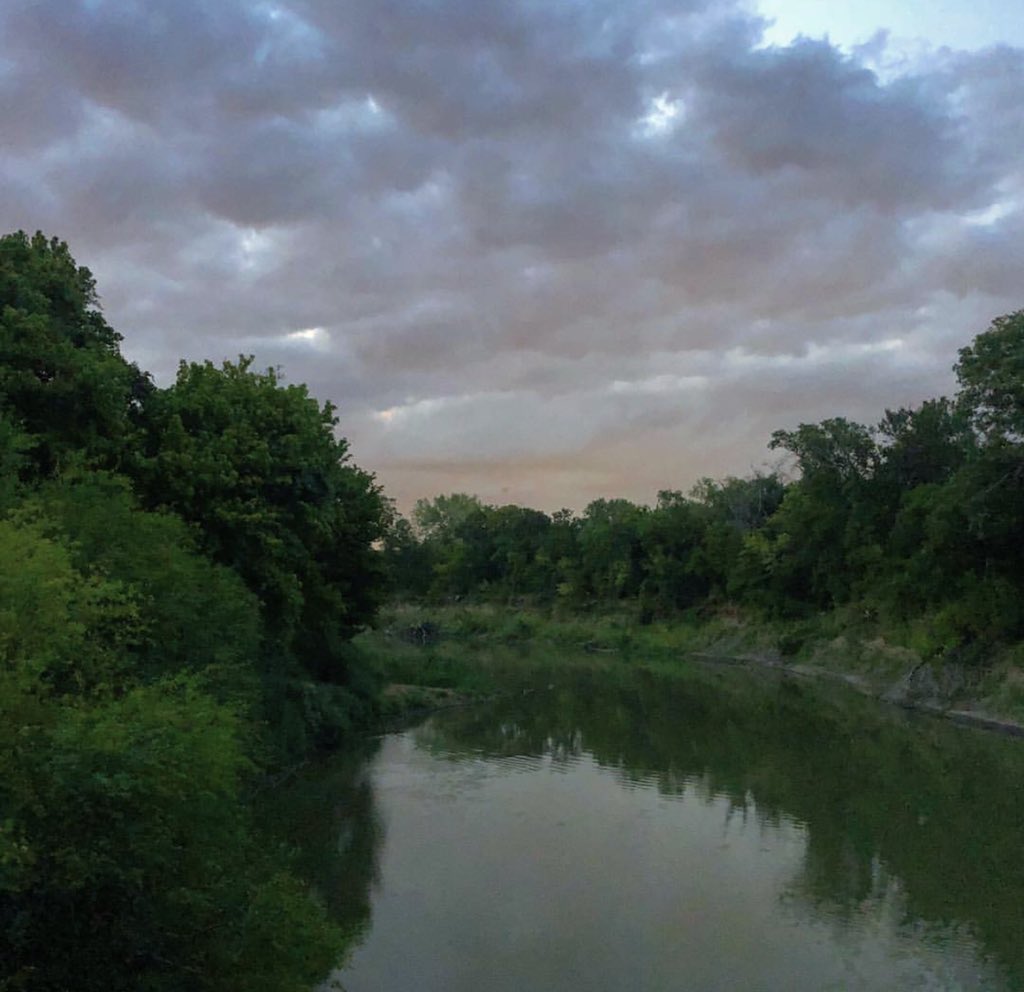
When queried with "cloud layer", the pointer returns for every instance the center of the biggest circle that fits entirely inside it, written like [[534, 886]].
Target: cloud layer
[[541, 251]]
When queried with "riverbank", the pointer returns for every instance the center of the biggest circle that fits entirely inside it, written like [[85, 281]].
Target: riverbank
[[471, 651]]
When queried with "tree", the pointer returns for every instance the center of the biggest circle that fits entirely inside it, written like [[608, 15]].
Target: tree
[[991, 376], [923, 445], [671, 537], [407, 560], [255, 465], [518, 536], [743, 504], [837, 450], [825, 517], [610, 549], [128, 858], [14, 448], [62, 377], [128, 855], [453, 531], [193, 614], [442, 516], [732, 509]]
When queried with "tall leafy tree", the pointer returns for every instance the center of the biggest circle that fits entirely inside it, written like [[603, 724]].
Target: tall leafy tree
[[407, 560], [611, 549], [671, 537], [991, 375], [823, 534], [453, 530], [518, 535], [923, 445], [62, 376], [257, 467], [732, 509]]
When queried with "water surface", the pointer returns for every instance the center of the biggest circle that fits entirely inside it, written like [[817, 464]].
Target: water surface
[[724, 831]]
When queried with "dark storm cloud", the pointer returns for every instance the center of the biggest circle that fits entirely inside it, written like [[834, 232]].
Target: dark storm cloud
[[545, 250]]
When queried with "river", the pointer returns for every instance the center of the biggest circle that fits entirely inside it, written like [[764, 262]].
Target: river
[[726, 830]]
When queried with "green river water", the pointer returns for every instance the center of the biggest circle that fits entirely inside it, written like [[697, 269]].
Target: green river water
[[622, 830]]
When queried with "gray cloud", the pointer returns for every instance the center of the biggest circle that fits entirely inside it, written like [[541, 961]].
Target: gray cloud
[[539, 251], [844, 135]]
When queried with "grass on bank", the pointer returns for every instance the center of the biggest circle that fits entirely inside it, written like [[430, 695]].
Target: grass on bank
[[475, 650]]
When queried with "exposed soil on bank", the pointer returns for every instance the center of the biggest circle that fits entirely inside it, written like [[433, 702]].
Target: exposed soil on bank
[[916, 690]]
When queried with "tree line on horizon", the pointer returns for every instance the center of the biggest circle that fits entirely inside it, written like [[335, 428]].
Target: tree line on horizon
[[181, 572], [919, 516]]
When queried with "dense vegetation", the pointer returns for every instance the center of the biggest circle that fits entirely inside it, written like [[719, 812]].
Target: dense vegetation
[[181, 571], [918, 519]]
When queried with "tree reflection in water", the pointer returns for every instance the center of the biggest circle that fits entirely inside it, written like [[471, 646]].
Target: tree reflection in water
[[910, 816]]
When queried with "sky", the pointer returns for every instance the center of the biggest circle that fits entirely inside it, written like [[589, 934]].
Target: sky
[[543, 251]]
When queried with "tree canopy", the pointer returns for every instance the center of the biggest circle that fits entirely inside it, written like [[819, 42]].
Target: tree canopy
[[63, 380], [256, 467]]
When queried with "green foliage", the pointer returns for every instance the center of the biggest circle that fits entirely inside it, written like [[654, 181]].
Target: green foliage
[[62, 377], [256, 467], [60, 631], [151, 626], [126, 856], [609, 562], [307, 715], [192, 613], [14, 446], [924, 446], [991, 375], [672, 538], [835, 452], [459, 546], [442, 517], [405, 560], [822, 513]]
